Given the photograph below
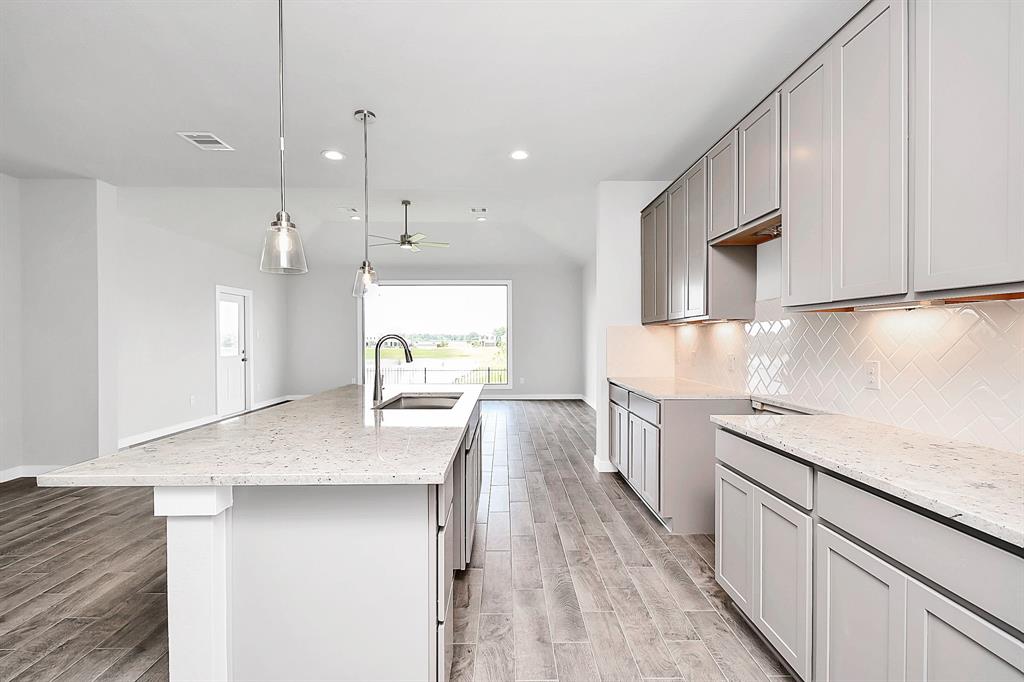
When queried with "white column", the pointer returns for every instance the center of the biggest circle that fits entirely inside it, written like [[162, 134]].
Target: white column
[[198, 580]]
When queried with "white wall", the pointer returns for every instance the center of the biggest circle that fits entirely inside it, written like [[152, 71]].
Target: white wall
[[60, 369], [10, 328], [617, 281], [546, 337], [165, 302], [589, 292]]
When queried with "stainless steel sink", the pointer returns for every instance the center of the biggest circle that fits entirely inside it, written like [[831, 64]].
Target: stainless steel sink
[[420, 401]]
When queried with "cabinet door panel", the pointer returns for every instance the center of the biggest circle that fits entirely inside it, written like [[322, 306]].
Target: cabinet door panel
[[723, 186], [613, 435], [782, 578], [734, 539], [652, 466], [869, 242], [806, 183], [759, 161], [648, 256], [636, 452], [696, 240], [860, 614], [624, 442], [947, 643], [968, 145], [677, 249], [661, 260]]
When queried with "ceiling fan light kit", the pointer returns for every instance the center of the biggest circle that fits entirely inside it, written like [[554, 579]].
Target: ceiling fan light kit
[[405, 240]]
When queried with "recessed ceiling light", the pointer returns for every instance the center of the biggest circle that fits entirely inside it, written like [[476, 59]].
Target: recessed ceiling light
[[355, 217], [519, 155], [481, 218], [332, 155]]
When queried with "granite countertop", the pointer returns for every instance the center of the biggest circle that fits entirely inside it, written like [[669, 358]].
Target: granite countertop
[[979, 487], [670, 388], [332, 438]]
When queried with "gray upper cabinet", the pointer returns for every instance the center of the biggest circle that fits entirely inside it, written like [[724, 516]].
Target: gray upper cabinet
[[654, 261], [869, 148], [947, 642], [806, 182], [677, 245], [968, 147], [758, 152], [856, 592], [696, 184], [723, 187]]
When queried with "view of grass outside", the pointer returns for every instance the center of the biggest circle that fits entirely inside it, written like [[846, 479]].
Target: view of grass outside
[[458, 333]]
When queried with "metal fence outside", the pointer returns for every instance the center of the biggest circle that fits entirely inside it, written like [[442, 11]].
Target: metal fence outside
[[426, 375]]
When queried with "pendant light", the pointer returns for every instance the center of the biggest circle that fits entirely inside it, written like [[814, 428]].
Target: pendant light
[[282, 246], [366, 276]]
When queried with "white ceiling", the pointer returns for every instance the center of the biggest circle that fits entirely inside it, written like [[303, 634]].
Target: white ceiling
[[611, 90]]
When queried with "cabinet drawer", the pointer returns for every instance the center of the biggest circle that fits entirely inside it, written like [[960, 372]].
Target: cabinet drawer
[[445, 646], [445, 566], [784, 476], [645, 408], [618, 395], [978, 572]]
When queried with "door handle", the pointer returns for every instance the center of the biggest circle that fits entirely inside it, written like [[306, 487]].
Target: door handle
[[243, 358]]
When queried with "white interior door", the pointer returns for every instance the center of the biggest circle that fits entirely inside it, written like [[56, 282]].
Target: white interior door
[[231, 357]]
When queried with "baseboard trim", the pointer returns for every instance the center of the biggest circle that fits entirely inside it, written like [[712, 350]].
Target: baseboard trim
[[532, 396], [604, 466], [27, 471], [135, 439]]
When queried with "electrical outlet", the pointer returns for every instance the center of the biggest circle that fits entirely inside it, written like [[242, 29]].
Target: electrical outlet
[[191, 401], [732, 362], [873, 375], [522, 380]]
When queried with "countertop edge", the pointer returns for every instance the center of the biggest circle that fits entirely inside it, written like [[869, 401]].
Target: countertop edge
[[908, 495], [726, 394]]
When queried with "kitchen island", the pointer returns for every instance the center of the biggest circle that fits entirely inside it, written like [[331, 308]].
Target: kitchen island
[[314, 540]]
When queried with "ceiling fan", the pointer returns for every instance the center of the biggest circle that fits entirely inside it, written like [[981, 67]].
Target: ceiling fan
[[407, 241]]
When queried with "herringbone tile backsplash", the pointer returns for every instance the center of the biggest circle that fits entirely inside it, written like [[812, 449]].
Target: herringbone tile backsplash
[[953, 371]]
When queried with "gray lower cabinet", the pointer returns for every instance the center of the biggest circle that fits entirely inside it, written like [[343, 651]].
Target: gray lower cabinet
[[734, 536], [946, 642], [644, 460], [859, 612], [618, 433], [758, 151], [781, 588], [968, 142]]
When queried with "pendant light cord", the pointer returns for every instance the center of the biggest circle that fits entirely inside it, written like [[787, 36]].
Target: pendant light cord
[[366, 193], [280, 76]]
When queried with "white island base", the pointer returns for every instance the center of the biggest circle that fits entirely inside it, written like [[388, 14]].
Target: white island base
[[303, 582]]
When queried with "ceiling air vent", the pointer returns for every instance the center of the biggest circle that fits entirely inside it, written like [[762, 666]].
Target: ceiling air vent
[[207, 142]]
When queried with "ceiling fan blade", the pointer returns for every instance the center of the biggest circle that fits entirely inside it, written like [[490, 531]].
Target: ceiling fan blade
[[380, 236], [436, 245], [386, 244], [418, 237], [414, 248]]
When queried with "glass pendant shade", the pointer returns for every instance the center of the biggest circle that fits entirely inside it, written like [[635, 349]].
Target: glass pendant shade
[[366, 280], [282, 248]]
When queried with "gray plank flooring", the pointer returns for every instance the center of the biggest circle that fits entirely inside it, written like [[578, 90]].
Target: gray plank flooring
[[599, 591], [571, 577], [82, 584]]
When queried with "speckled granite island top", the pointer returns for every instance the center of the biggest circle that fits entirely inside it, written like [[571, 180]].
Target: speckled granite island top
[[670, 388], [332, 438], [980, 487]]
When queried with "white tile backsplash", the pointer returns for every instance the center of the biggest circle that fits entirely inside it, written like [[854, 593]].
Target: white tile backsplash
[[952, 371]]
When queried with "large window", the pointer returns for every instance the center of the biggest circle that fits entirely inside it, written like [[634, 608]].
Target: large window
[[458, 332]]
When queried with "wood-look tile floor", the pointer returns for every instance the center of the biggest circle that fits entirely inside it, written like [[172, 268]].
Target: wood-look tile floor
[[571, 577]]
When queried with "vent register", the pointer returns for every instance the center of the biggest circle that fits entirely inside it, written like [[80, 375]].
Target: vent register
[[207, 142]]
